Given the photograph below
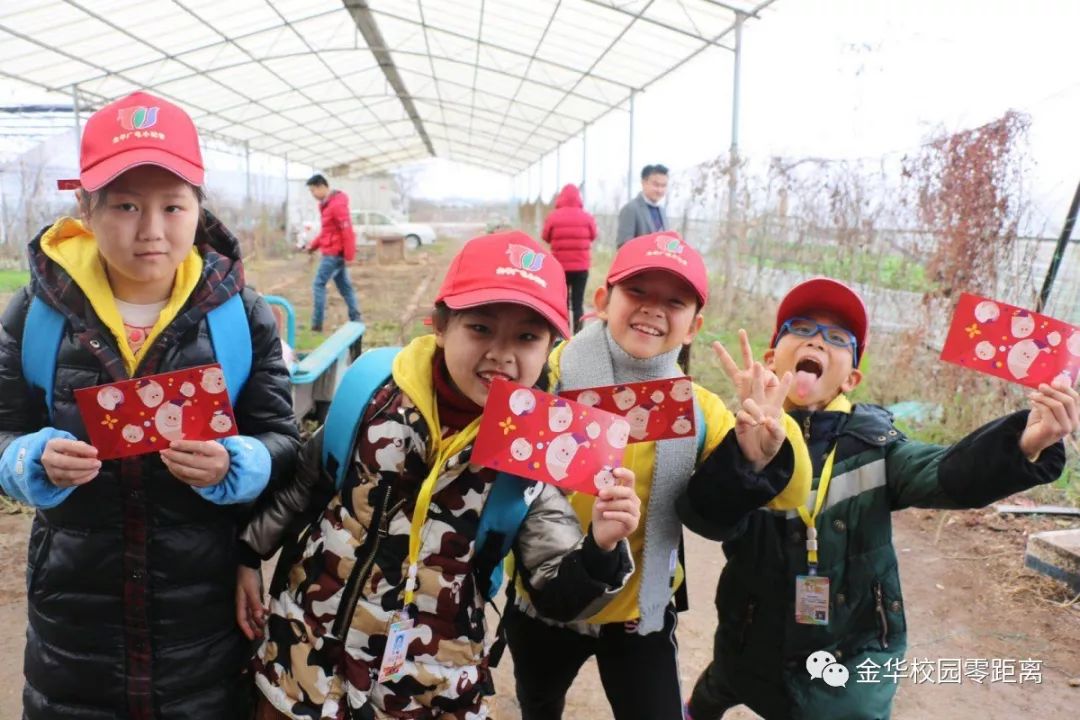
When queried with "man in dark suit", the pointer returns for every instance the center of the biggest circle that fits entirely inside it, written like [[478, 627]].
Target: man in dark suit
[[644, 214]]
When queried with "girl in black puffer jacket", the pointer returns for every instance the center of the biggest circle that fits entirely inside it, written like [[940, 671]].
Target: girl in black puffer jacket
[[132, 562]]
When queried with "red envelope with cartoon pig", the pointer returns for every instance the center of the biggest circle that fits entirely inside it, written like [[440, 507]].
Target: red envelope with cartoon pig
[[656, 409], [539, 436], [142, 415], [1011, 343]]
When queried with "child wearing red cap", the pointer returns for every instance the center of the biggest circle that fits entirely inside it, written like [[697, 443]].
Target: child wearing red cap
[[132, 562], [811, 597], [400, 537], [651, 307]]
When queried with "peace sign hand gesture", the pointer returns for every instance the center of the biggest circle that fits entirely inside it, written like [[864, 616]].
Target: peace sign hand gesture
[[758, 423]]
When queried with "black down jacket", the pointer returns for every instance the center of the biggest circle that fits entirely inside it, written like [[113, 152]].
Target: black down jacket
[[131, 580]]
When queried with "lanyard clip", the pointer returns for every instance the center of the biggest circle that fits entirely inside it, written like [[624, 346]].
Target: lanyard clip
[[811, 539]]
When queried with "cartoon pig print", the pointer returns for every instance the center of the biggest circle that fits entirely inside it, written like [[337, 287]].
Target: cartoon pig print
[[169, 420], [560, 453], [985, 350], [987, 311], [1073, 344], [682, 391], [604, 478], [1021, 356], [109, 398], [220, 422], [618, 433], [639, 422], [150, 392], [132, 433], [624, 398], [521, 449], [1023, 324], [589, 397], [187, 389], [213, 381], [560, 415], [522, 402], [682, 425]]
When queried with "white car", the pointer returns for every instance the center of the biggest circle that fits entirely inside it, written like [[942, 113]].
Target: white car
[[370, 225]]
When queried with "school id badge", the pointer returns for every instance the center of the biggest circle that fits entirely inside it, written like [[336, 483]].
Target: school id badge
[[398, 635], [812, 600]]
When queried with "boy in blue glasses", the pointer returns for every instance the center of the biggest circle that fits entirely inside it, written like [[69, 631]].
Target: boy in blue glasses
[[809, 599]]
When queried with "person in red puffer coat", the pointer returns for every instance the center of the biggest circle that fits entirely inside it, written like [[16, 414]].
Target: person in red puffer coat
[[570, 231]]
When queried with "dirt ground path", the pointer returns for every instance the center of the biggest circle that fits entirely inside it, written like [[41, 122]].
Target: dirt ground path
[[967, 595]]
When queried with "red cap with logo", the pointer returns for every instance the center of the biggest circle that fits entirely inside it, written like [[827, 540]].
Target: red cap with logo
[[661, 251], [140, 129], [822, 294], [507, 267]]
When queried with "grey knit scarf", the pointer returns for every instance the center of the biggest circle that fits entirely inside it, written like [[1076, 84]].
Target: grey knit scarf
[[592, 359]]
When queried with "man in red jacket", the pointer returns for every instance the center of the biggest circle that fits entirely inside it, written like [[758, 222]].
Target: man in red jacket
[[337, 241], [569, 230]]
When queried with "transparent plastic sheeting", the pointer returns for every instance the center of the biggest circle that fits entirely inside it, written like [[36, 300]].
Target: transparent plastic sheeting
[[367, 85]]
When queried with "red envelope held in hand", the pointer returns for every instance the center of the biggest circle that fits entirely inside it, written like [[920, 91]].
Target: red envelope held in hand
[[539, 436], [1011, 343], [655, 409], [142, 415]]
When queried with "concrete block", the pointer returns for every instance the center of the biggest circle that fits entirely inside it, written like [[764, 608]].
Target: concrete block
[[1056, 553]]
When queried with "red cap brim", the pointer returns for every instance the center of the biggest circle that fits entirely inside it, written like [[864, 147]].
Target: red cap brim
[[110, 168], [475, 298], [616, 278]]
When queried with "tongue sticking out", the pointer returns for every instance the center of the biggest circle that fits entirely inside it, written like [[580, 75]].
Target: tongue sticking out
[[804, 381]]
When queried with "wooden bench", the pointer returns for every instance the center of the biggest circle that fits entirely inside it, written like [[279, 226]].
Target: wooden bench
[[317, 374]]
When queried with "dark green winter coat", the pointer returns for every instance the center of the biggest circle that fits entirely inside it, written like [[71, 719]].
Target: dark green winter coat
[[760, 650]]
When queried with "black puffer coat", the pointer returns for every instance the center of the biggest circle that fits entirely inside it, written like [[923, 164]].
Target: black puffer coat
[[131, 580]]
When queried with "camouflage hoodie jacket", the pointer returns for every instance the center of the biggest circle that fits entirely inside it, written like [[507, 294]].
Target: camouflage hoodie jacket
[[306, 673]]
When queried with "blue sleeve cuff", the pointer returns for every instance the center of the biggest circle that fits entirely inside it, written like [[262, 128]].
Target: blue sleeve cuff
[[22, 475], [249, 472]]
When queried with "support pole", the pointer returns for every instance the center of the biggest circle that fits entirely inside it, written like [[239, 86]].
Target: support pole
[[1059, 251], [731, 248], [630, 153], [78, 122], [584, 158]]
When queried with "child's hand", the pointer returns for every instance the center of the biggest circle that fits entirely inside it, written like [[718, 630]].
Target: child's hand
[[740, 378], [616, 512], [758, 425], [1055, 413], [70, 462], [199, 463], [250, 613]]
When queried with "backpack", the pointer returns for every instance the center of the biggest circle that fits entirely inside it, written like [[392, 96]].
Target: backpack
[[229, 334], [509, 499], [507, 503]]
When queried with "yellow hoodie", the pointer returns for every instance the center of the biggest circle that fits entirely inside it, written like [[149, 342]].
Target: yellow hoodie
[[71, 246]]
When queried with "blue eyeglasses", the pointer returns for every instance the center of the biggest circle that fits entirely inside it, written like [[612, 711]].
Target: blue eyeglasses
[[833, 334]]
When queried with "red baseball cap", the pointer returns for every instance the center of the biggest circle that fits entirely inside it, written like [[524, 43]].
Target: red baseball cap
[[822, 294], [140, 129], [661, 251], [507, 267]]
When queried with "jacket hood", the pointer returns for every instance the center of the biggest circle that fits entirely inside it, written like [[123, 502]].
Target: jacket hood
[[66, 271], [569, 196]]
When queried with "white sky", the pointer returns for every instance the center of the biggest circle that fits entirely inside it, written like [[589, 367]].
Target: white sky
[[844, 79]]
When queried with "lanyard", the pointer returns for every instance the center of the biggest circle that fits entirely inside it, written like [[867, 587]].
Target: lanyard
[[811, 520], [423, 503]]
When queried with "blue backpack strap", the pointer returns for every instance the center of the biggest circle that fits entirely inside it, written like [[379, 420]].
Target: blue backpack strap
[[506, 507], [700, 428], [231, 338], [365, 376], [40, 347]]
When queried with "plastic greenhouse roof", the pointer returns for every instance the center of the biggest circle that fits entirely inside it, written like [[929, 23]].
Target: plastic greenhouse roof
[[359, 86]]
